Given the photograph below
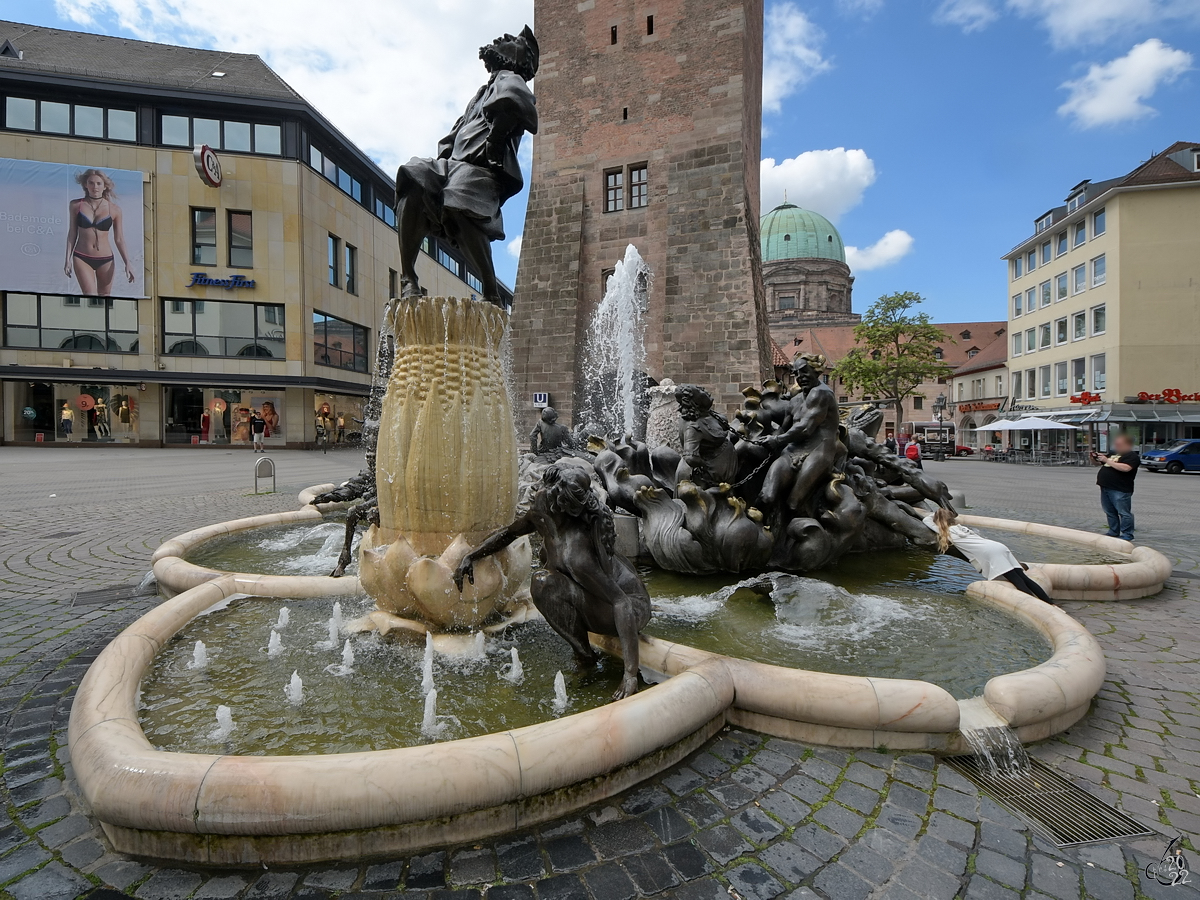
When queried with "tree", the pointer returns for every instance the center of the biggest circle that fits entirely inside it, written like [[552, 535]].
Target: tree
[[898, 349]]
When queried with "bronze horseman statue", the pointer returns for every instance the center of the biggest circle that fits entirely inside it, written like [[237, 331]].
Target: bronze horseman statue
[[458, 196]]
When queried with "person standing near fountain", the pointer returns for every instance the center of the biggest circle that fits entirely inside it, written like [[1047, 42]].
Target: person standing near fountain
[[458, 195], [585, 584], [991, 559]]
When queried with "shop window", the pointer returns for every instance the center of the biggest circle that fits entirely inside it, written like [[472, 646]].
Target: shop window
[[339, 343], [241, 240], [54, 322], [224, 328], [75, 413], [193, 415], [204, 237]]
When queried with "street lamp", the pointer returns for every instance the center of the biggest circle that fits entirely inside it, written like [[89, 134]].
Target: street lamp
[[939, 408]]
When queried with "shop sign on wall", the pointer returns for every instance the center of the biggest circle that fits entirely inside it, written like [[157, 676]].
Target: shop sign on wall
[[1170, 395], [980, 406], [232, 283], [1086, 398]]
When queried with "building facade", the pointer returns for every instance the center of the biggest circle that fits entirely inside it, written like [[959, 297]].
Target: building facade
[[155, 294], [805, 275], [1104, 303], [650, 131], [978, 393]]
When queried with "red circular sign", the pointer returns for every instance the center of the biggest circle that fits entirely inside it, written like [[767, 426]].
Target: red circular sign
[[207, 165], [218, 405], [85, 402]]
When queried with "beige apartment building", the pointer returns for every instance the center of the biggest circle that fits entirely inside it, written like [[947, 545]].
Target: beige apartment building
[[184, 242], [1104, 305]]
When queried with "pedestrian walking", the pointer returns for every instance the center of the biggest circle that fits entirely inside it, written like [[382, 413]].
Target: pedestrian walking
[[913, 452], [890, 445], [258, 427], [1115, 478], [991, 559]]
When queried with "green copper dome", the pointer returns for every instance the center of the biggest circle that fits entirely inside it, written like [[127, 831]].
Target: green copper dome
[[789, 232]]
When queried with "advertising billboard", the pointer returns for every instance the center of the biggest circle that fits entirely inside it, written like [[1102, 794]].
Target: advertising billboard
[[71, 229]]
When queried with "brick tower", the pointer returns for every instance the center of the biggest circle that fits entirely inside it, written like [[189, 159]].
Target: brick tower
[[651, 119]]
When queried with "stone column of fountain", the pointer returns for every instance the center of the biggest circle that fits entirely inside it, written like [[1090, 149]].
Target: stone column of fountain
[[446, 468]]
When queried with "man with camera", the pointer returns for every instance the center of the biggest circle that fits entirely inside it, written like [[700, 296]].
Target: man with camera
[[1116, 475]]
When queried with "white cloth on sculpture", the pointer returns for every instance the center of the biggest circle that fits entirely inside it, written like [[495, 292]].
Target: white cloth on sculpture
[[991, 558]]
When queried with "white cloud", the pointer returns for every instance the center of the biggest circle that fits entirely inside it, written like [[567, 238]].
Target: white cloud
[[890, 248], [514, 247], [830, 182], [1113, 92], [791, 53], [393, 76], [1071, 22], [861, 7], [969, 15]]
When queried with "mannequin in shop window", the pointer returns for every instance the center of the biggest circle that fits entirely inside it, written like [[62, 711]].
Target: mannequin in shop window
[[100, 420], [125, 416], [205, 424], [66, 418], [216, 425]]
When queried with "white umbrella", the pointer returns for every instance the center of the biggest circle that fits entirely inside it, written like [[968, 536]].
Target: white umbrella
[[1032, 423]]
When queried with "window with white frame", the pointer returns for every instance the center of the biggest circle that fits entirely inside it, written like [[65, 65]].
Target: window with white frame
[[1060, 331], [1031, 261], [1078, 326], [1078, 375], [1044, 381], [1018, 266], [1031, 340], [1098, 377], [1046, 254], [1044, 290], [1031, 299], [1079, 279], [1060, 244], [961, 390], [1060, 379], [1017, 344], [1031, 384], [1043, 223], [1016, 386], [1098, 271], [1016, 301], [1060, 287], [1080, 234], [1098, 225], [1044, 336], [1098, 320], [999, 386]]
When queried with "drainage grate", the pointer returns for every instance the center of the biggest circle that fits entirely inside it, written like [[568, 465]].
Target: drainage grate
[[114, 594], [61, 534], [1050, 804]]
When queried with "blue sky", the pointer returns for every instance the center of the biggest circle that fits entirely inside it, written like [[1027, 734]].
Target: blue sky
[[931, 131]]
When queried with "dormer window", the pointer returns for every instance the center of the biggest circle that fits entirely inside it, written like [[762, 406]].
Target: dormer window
[[1043, 223], [938, 353], [1075, 202], [971, 353], [965, 335], [1196, 162]]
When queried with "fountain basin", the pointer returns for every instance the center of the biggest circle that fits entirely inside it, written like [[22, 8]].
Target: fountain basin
[[246, 810]]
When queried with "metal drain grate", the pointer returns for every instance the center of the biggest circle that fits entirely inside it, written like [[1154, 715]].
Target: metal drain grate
[[114, 594], [1050, 804]]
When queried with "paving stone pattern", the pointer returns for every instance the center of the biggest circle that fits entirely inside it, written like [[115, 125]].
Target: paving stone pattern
[[746, 816]]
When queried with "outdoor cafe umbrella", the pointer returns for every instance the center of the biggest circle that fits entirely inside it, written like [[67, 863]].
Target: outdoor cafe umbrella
[[1033, 423]]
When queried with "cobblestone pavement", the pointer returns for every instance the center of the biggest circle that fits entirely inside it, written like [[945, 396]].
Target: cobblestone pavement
[[745, 817]]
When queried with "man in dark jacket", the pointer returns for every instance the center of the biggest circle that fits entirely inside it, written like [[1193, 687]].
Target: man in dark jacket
[[1116, 475], [258, 426]]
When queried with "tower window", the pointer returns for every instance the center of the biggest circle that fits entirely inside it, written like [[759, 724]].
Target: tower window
[[625, 113], [612, 35], [649, 24], [614, 190], [787, 237]]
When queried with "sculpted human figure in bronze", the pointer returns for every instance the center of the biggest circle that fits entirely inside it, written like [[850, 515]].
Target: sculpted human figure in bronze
[[458, 196], [709, 457], [548, 437], [584, 584]]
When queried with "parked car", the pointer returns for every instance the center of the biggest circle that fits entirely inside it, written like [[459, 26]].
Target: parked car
[[1181, 456], [964, 450]]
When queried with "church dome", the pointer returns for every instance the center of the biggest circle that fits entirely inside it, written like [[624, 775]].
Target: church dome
[[789, 232]]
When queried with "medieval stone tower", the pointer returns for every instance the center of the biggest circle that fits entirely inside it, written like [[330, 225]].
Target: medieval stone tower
[[651, 118]]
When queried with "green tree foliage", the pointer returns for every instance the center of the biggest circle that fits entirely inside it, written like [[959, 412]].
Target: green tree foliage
[[896, 352]]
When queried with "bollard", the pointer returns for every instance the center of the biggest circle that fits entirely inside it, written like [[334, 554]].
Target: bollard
[[264, 466]]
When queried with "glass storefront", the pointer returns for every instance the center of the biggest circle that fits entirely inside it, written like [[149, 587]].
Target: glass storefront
[[76, 413], [341, 415], [194, 415]]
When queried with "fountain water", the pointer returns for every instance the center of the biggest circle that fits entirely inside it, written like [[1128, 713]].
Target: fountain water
[[560, 693], [224, 725], [331, 642], [479, 650], [274, 645], [516, 672], [199, 656], [284, 618], [993, 743], [337, 616], [615, 358], [429, 722], [427, 665], [294, 691]]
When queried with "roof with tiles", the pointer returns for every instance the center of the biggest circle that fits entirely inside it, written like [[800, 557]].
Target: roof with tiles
[[836, 341], [117, 59], [993, 356]]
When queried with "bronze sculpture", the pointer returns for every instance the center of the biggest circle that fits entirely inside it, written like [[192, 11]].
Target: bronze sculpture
[[548, 438], [584, 584], [458, 195]]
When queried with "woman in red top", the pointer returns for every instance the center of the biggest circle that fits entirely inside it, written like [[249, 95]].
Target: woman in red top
[[913, 452]]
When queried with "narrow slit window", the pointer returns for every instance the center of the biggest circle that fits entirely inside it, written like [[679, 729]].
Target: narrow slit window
[[649, 24], [612, 35]]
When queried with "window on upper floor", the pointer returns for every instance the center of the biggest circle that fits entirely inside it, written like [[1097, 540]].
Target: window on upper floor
[[1098, 271], [393, 282], [223, 328], [1099, 320], [1017, 343], [1080, 234], [1043, 223], [1031, 261], [1061, 384], [999, 386], [204, 237], [221, 134], [241, 240], [339, 343], [1099, 377], [1018, 267], [350, 269], [1044, 292], [938, 353], [1031, 300], [1060, 287], [614, 190], [1044, 381], [344, 179], [1030, 384], [1076, 201], [787, 302], [1060, 331], [1060, 244], [1044, 336], [78, 119], [918, 402], [649, 25], [1079, 279], [1031, 340], [1098, 225], [1078, 375], [1016, 386], [54, 322], [333, 244], [1046, 253], [639, 186], [1078, 326], [1017, 306]]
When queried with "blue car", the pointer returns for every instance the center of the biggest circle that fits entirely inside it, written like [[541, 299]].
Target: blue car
[[1181, 456]]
